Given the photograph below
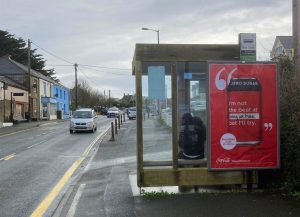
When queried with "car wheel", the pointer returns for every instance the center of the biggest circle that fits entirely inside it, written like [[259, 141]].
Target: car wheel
[[71, 131]]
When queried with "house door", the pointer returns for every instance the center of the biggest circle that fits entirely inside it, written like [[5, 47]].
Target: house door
[[18, 111], [45, 111]]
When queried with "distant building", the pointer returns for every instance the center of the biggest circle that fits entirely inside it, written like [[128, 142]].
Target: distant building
[[62, 96], [13, 101], [47, 103], [43, 103], [283, 46]]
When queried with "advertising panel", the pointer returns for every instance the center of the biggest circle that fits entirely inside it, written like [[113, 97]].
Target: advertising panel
[[156, 82], [243, 116]]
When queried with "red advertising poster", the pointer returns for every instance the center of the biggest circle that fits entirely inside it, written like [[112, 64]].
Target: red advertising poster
[[243, 116]]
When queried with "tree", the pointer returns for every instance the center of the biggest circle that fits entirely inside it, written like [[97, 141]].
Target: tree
[[16, 48], [87, 97]]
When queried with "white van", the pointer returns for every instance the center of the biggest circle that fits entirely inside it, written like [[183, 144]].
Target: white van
[[83, 120]]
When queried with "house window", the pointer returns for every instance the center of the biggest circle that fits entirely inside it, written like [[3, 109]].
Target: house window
[[60, 94], [56, 92], [34, 85], [279, 51], [44, 89], [64, 95]]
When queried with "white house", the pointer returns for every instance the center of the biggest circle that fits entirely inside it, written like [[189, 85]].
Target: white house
[[48, 104], [283, 46]]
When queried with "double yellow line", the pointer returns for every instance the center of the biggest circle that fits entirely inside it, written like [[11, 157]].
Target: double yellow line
[[88, 149], [44, 205]]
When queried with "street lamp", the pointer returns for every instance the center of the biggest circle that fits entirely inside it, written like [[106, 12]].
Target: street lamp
[[155, 30]]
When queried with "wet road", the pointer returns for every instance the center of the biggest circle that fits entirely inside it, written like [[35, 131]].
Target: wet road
[[34, 160]]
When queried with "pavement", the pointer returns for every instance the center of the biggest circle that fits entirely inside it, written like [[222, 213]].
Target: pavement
[[108, 188]]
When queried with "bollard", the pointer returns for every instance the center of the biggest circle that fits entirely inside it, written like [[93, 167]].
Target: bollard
[[112, 132], [116, 126], [124, 117], [145, 116], [119, 122]]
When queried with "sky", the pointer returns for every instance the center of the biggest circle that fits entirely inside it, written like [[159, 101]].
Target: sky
[[100, 35]]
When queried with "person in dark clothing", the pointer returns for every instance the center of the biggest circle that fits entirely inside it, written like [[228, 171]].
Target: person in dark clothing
[[192, 137]]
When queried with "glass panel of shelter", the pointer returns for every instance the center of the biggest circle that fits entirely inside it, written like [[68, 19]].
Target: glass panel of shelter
[[192, 114], [157, 112]]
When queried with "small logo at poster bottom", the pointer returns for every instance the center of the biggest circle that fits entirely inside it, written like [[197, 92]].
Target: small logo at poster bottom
[[228, 141], [223, 160]]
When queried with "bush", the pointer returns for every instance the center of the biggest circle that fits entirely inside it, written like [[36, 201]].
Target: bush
[[289, 125], [288, 177]]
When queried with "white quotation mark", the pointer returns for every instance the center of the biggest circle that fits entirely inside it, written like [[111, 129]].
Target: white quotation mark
[[221, 83], [268, 126]]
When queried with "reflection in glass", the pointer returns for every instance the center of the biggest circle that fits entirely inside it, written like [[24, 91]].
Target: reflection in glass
[[157, 113], [192, 110]]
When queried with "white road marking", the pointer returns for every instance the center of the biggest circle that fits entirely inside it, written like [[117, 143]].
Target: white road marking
[[71, 156], [14, 133], [8, 157], [74, 205], [36, 144]]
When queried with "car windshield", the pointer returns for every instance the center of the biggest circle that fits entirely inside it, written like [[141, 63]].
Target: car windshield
[[113, 109], [82, 114], [132, 109]]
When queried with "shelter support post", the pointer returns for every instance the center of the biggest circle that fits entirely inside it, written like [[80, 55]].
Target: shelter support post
[[174, 115], [139, 122]]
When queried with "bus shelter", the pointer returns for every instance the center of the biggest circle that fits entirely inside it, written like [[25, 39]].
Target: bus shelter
[[173, 123]]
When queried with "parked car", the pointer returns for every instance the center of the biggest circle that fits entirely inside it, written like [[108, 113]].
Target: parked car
[[113, 112], [83, 120], [103, 111], [67, 115], [131, 113]]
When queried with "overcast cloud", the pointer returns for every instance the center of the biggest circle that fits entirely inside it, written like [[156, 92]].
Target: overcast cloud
[[104, 33]]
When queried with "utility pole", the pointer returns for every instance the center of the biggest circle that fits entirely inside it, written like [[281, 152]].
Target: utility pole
[[109, 98], [29, 81], [296, 33], [104, 103], [76, 88]]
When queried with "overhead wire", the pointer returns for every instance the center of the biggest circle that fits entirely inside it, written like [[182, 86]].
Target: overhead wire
[[104, 67], [114, 73], [84, 65], [91, 81], [90, 67], [54, 55]]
